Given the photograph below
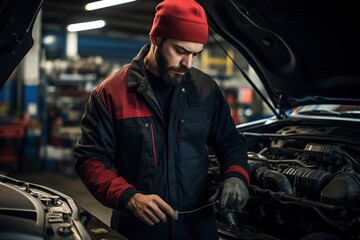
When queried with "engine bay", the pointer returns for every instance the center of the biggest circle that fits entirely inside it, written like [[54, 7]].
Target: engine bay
[[304, 184]]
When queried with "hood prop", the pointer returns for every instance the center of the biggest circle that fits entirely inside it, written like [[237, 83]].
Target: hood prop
[[247, 78]]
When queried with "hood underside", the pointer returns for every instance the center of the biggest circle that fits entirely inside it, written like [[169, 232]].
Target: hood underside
[[16, 23], [304, 52]]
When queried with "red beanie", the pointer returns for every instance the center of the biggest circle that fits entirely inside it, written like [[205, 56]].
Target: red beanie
[[182, 20]]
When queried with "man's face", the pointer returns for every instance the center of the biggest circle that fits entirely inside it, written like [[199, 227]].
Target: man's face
[[174, 58]]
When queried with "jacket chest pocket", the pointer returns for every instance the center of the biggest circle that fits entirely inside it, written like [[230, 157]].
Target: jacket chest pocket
[[192, 134], [136, 144]]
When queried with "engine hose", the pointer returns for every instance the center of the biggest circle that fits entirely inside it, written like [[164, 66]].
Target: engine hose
[[352, 160], [339, 225], [354, 225], [273, 180], [283, 198]]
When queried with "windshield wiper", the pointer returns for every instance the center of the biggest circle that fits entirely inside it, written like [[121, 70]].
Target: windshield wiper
[[332, 113], [350, 114]]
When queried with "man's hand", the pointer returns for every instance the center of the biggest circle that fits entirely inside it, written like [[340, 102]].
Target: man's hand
[[234, 194], [150, 209]]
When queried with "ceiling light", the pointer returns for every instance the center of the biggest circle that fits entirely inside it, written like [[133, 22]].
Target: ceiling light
[[49, 39], [86, 26], [104, 3]]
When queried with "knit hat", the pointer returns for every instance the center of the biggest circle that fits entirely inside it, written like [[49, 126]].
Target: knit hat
[[182, 20]]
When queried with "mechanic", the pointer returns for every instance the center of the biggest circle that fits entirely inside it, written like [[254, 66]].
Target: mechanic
[[146, 132]]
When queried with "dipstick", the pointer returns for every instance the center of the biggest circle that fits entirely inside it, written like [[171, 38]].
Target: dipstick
[[177, 212]]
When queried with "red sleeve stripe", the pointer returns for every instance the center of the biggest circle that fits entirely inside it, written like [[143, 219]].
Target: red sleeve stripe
[[238, 169], [104, 184]]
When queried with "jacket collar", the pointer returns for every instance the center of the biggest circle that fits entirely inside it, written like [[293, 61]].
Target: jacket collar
[[137, 73]]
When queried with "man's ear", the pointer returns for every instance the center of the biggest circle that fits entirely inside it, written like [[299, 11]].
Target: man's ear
[[155, 40]]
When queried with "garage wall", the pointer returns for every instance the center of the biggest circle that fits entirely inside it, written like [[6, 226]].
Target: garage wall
[[113, 49]]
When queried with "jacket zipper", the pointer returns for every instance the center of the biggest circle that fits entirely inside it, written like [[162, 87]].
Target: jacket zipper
[[181, 122], [153, 142]]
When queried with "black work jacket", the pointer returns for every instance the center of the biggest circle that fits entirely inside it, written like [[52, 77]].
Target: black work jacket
[[126, 147]]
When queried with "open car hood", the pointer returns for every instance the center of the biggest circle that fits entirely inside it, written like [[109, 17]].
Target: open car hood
[[304, 52], [17, 18]]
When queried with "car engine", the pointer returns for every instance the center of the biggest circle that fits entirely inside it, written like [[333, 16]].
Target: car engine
[[304, 184], [31, 211]]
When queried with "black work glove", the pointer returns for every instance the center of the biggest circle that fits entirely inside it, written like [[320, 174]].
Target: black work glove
[[234, 194]]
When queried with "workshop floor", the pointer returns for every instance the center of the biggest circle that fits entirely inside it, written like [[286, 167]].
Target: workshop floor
[[71, 186]]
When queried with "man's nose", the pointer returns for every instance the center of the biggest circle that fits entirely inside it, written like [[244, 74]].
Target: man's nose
[[187, 61]]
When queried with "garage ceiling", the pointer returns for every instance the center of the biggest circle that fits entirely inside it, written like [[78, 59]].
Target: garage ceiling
[[134, 18]]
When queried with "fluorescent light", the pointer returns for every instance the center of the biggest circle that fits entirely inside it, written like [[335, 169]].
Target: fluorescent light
[[49, 39], [104, 3], [86, 26]]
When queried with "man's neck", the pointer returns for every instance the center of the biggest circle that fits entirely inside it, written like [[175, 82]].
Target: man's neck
[[149, 62]]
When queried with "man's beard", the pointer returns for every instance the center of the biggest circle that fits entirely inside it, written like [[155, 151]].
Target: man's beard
[[164, 70]]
